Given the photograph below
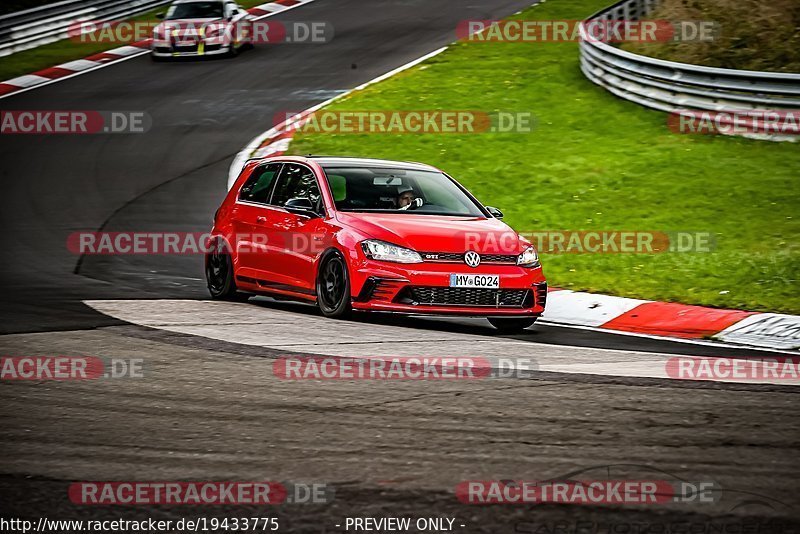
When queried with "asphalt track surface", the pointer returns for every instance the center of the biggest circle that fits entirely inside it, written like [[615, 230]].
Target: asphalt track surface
[[211, 409]]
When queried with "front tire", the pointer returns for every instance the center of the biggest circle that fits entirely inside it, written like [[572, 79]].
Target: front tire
[[219, 275], [512, 325], [333, 287]]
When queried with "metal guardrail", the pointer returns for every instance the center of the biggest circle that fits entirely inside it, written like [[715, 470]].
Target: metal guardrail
[[672, 87], [49, 23]]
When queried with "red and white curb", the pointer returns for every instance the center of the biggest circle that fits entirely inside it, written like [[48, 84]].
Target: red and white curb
[[72, 68], [672, 320], [116, 55]]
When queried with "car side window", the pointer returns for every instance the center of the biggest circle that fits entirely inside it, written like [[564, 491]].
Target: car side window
[[297, 181], [259, 185]]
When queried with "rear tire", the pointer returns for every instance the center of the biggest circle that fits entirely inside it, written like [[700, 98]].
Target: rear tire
[[333, 287], [219, 275], [512, 325]]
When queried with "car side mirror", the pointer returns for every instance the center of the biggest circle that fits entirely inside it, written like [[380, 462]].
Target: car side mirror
[[301, 206], [494, 212], [160, 16]]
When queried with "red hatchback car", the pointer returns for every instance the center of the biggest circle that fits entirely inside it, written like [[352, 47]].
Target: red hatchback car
[[371, 235]]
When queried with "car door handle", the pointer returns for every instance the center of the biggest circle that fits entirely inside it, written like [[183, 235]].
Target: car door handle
[[261, 219]]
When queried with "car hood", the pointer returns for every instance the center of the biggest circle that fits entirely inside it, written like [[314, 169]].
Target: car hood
[[190, 27], [437, 233]]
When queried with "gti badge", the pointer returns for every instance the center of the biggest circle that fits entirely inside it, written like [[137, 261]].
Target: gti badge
[[472, 259]]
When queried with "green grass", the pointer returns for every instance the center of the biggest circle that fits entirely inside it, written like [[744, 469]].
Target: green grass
[[595, 162], [52, 54]]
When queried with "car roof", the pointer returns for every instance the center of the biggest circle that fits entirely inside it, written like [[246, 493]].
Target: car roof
[[342, 161], [193, 1]]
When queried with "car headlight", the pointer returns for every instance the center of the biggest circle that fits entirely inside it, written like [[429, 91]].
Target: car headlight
[[528, 258], [383, 251]]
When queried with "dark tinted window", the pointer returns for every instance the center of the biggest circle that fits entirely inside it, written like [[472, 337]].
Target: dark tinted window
[[258, 187], [296, 181]]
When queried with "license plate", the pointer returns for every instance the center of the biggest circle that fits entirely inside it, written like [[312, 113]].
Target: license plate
[[489, 281]]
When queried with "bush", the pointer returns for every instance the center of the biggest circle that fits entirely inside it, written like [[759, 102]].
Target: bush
[[754, 34]]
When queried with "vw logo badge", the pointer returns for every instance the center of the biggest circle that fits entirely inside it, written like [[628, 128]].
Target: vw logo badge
[[472, 259]]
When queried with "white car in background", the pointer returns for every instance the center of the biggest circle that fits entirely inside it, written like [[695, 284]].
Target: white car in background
[[194, 28]]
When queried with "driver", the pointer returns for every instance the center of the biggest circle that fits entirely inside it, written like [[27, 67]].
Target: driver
[[405, 196]]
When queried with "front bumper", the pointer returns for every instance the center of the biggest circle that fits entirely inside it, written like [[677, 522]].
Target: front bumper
[[168, 49], [424, 289]]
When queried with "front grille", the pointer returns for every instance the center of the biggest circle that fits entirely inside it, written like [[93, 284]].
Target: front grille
[[442, 256], [498, 258], [459, 296], [459, 257], [185, 46]]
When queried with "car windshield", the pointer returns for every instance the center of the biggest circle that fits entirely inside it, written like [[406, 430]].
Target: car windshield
[[403, 191], [195, 10]]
